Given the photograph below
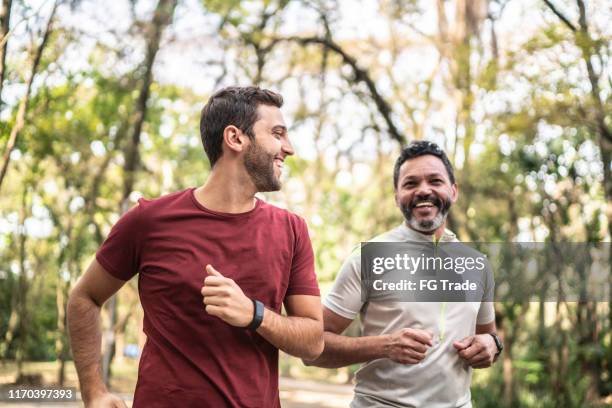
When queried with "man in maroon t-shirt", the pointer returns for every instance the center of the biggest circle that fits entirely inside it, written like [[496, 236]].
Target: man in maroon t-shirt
[[215, 264]]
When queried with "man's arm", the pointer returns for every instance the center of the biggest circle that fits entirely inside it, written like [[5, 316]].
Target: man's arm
[[86, 299], [299, 334], [479, 350], [407, 346]]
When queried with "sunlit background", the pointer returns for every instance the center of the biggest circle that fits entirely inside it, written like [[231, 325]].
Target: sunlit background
[[100, 105]]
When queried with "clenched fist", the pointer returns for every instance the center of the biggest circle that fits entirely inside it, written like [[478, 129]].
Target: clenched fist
[[224, 298], [105, 400], [478, 351], [408, 346]]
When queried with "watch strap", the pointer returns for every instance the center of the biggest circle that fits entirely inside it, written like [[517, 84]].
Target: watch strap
[[258, 314], [498, 344]]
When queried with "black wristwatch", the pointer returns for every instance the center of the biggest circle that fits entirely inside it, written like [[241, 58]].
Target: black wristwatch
[[258, 314], [498, 343]]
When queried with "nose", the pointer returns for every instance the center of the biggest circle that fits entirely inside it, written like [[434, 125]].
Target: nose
[[286, 147], [423, 190]]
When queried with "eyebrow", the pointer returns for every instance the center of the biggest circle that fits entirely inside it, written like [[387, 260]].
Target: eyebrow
[[279, 127], [436, 174]]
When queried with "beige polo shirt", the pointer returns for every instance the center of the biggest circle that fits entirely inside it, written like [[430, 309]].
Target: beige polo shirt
[[441, 379]]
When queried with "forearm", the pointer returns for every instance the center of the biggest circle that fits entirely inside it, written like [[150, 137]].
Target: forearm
[[299, 336], [85, 339], [341, 351]]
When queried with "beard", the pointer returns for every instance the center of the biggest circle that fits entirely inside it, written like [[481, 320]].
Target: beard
[[259, 165], [426, 226]]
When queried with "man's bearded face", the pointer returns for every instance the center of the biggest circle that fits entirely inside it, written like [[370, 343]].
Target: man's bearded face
[[424, 193]]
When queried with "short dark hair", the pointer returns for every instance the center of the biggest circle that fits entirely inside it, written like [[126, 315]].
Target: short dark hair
[[421, 148], [236, 106]]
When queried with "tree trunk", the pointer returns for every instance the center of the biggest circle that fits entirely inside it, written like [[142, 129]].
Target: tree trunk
[[5, 20], [161, 19], [22, 307], [508, 370], [61, 292]]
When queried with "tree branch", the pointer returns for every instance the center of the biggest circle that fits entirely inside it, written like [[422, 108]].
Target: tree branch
[[560, 15], [23, 106], [361, 75]]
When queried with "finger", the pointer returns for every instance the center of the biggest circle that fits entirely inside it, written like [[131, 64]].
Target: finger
[[466, 342], [413, 354], [486, 364], [213, 310], [421, 336], [407, 360], [212, 271], [417, 346], [482, 363], [470, 352], [479, 358], [209, 290], [215, 281], [215, 300]]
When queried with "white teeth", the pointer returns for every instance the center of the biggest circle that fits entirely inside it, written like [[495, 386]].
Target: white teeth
[[424, 204]]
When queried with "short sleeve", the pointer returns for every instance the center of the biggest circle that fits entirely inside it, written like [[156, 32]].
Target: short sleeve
[[120, 252], [302, 280], [345, 296], [486, 313]]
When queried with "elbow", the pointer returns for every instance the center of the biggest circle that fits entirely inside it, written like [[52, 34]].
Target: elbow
[[78, 303], [309, 363], [310, 356], [74, 305], [316, 350]]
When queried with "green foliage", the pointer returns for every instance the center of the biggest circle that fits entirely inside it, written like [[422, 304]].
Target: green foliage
[[521, 129]]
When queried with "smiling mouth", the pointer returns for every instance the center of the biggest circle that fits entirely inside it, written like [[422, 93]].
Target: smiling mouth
[[279, 163], [425, 204]]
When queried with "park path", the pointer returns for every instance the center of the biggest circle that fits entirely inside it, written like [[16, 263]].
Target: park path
[[293, 393]]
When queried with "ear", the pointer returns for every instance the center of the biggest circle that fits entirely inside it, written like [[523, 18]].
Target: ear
[[234, 139], [397, 204], [454, 192]]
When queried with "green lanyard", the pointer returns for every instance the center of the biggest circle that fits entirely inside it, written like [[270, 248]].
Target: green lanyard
[[442, 317]]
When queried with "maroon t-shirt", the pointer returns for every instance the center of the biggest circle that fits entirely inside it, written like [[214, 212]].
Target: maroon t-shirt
[[192, 359]]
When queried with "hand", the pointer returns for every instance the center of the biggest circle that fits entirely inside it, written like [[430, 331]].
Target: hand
[[408, 346], [477, 350], [224, 298], [105, 400]]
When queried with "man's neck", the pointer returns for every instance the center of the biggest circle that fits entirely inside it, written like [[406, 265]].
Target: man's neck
[[435, 234], [228, 190]]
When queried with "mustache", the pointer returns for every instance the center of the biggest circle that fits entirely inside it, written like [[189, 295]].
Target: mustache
[[435, 200], [443, 205]]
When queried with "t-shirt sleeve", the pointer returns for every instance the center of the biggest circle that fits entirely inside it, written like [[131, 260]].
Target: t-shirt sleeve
[[120, 252], [486, 313], [345, 297], [302, 280]]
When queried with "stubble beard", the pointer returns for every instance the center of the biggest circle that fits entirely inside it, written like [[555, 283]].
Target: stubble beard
[[426, 226], [259, 165]]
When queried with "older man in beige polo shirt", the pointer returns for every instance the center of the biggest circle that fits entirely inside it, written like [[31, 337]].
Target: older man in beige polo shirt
[[415, 354]]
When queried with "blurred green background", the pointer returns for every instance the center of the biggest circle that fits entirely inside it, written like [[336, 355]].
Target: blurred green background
[[100, 101]]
